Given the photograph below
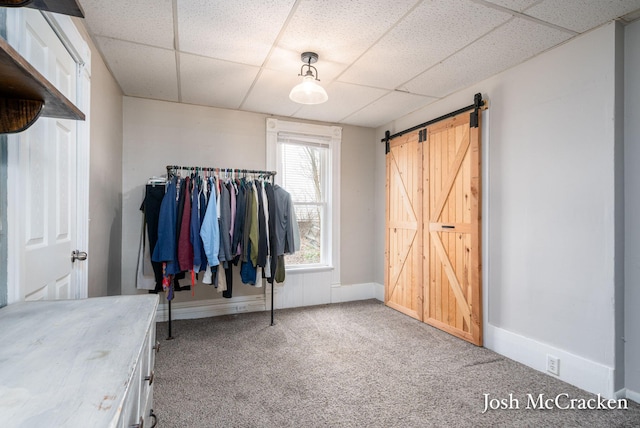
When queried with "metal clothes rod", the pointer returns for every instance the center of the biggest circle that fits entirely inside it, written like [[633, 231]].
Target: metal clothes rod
[[478, 102], [211, 169], [171, 168]]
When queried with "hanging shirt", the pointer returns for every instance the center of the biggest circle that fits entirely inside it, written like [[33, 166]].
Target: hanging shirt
[[165, 249], [262, 227], [194, 231], [210, 229], [224, 254], [246, 227], [232, 194], [272, 232], [265, 200], [253, 229], [248, 272], [238, 227], [185, 248], [202, 208], [283, 222]]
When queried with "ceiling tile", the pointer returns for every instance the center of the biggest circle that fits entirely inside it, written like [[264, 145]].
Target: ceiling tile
[[143, 21], [428, 35], [212, 82], [344, 99], [340, 31], [508, 45], [270, 94], [390, 107], [239, 31], [517, 5], [576, 16], [141, 71]]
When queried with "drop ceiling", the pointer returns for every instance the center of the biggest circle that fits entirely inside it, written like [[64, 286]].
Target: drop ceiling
[[379, 59]]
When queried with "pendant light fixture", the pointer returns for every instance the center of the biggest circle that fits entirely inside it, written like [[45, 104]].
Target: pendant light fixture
[[308, 92]]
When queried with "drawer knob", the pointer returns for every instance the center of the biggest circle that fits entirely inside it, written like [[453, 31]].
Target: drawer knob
[[150, 377]]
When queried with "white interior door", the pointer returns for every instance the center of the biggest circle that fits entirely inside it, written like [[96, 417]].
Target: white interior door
[[42, 174]]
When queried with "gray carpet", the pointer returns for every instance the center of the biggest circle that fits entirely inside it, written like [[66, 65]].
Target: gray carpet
[[357, 364]]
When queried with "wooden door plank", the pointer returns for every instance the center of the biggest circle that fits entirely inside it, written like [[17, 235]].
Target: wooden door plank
[[426, 240], [463, 305], [403, 275], [451, 330], [404, 194], [451, 176], [387, 240], [403, 249], [476, 249]]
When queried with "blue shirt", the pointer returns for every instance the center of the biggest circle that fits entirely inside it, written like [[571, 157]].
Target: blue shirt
[[210, 229]]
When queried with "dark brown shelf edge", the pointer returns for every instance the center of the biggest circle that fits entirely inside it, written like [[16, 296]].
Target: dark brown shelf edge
[[18, 115], [65, 7], [20, 80]]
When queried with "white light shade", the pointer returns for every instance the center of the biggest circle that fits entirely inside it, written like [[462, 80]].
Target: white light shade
[[308, 92]]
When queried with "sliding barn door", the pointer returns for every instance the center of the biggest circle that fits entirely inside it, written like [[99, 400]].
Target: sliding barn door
[[433, 227], [452, 228], [403, 273]]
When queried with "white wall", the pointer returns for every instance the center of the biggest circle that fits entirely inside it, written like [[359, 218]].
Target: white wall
[[159, 133], [105, 180], [549, 208], [632, 213]]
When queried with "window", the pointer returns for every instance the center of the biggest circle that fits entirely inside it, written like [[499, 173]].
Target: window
[[304, 169], [306, 158]]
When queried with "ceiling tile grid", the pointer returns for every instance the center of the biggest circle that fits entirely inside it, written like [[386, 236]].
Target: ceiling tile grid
[[142, 71], [344, 99], [515, 5], [379, 59], [341, 30], [393, 105], [270, 94], [581, 15], [240, 30], [506, 46], [429, 34], [212, 82], [149, 22]]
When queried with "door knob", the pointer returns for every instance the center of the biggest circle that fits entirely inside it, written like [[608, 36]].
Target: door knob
[[78, 255]]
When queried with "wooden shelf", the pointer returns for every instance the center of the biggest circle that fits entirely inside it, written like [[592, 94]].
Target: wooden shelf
[[25, 94], [66, 7]]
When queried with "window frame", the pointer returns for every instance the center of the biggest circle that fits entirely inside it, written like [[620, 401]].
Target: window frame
[[331, 137]]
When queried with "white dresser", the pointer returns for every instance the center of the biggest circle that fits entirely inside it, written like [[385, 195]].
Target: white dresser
[[78, 363]]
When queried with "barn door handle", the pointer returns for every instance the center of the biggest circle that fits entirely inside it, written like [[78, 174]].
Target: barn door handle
[[78, 255], [446, 226]]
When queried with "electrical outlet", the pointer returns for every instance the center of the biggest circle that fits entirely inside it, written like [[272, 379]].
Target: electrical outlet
[[242, 308], [553, 365]]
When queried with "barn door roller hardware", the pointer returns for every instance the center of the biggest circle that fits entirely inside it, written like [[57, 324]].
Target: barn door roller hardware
[[478, 103]]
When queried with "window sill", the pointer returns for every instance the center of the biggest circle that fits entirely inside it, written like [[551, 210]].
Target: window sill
[[308, 269]]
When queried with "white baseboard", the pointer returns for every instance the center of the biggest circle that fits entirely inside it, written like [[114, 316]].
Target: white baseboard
[[211, 308], [632, 395], [379, 291], [575, 370], [215, 307], [349, 293]]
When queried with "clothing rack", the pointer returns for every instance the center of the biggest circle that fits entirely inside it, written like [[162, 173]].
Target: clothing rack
[[171, 170]]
